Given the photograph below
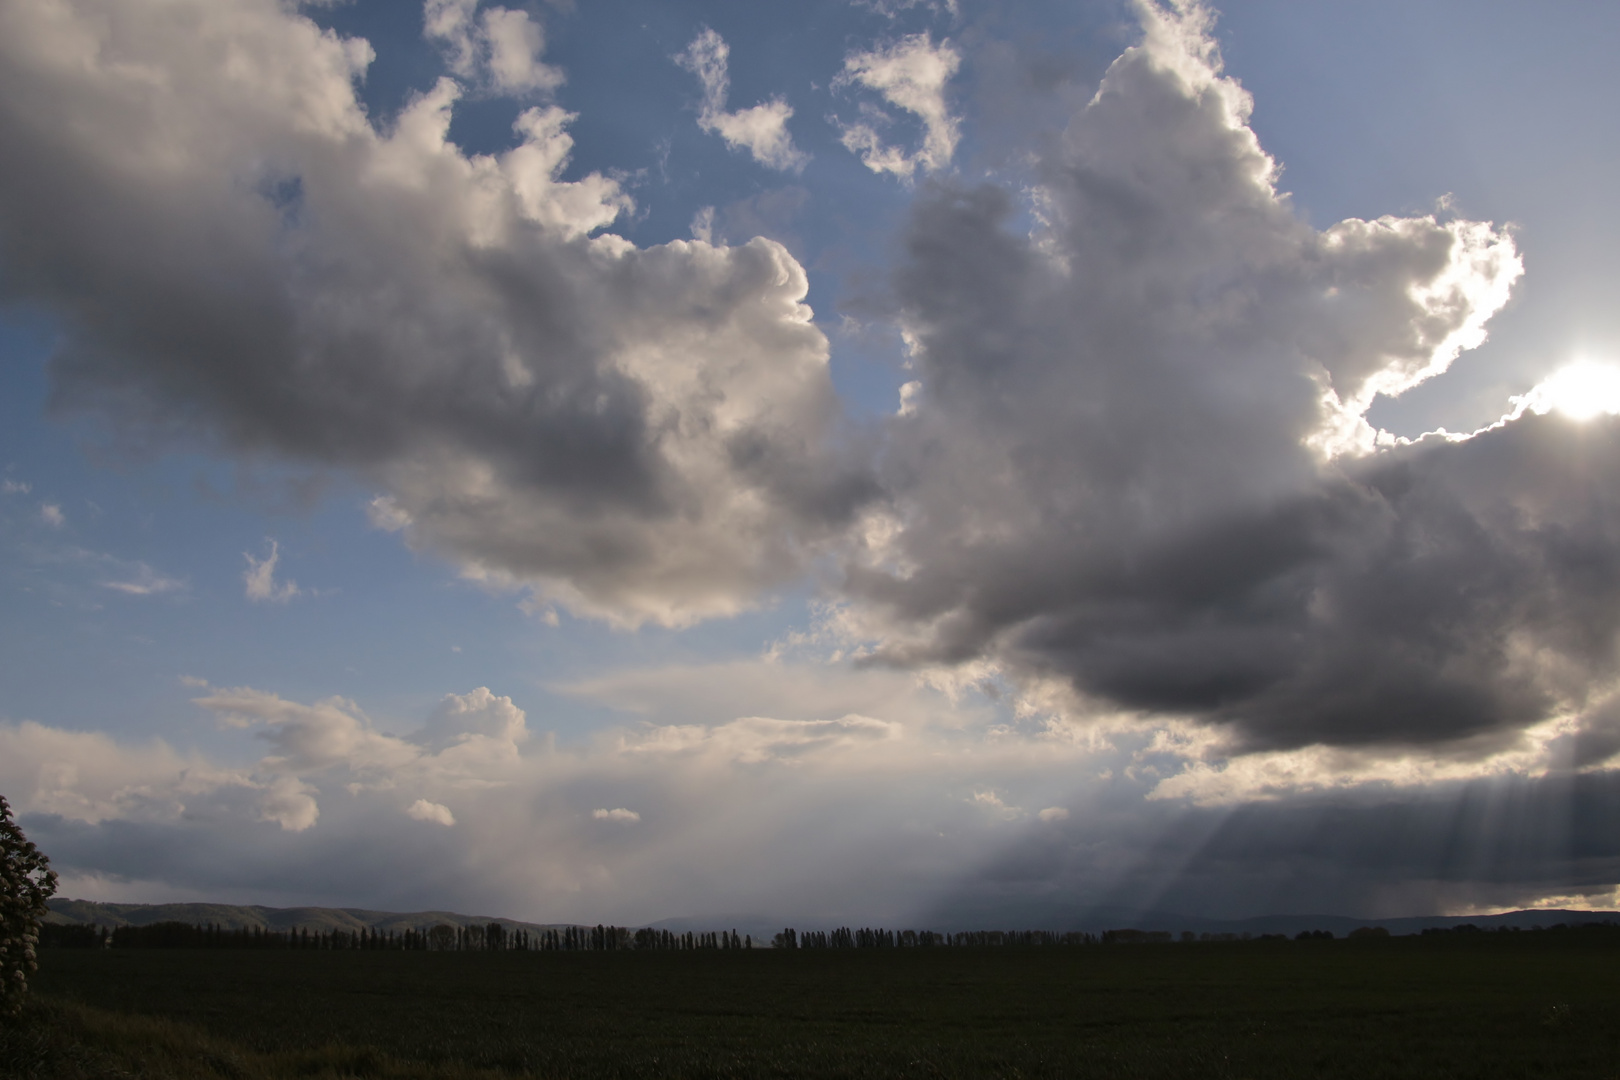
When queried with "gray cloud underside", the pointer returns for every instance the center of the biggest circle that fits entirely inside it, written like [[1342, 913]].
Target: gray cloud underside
[[1442, 593], [1498, 844]]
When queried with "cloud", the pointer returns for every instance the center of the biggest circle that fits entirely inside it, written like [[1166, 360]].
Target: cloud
[[911, 74], [259, 579], [51, 514], [92, 777], [289, 803], [1137, 460], [754, 739], [760, 129], [480, 714], [635, 434], [331, 786], [422, 810], [501, 49], [891, 9], [992, 802], [145, 582], [826, 819], [14, 487]]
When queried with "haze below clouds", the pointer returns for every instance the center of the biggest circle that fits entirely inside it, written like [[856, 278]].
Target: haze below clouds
[[1121, 598]]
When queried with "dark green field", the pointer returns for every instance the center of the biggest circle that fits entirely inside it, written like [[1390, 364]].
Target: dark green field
[[1491, 1005]]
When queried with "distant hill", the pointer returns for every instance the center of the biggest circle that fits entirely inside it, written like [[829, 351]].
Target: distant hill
[[1341, 925], [322, 919], [251, 916], [1096, 920]]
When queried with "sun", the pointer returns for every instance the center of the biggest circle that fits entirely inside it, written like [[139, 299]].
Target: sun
[[1581, 391]]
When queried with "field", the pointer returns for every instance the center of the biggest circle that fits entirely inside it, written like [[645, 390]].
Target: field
[[1484, 1005]]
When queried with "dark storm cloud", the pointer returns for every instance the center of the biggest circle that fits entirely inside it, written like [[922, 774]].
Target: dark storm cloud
[[1136, 456], [1440, 592]]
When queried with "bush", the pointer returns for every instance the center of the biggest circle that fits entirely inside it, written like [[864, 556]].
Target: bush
[[26, 882]]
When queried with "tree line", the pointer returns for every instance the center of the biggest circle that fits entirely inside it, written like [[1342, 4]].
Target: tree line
[[492, 937], [869, 938], [495, 937]]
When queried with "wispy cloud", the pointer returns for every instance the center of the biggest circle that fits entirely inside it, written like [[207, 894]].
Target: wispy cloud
[[145, 582], [259, 579]]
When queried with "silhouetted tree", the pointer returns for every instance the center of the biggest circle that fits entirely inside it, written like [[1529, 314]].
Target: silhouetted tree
[[26, 882]]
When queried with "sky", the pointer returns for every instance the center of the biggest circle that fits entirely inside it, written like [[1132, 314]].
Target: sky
[[923, 462]]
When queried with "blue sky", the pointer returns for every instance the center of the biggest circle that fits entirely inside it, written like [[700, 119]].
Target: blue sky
[[854, 460]]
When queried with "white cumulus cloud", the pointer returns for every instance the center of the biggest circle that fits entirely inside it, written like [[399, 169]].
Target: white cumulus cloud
[[501, 47]]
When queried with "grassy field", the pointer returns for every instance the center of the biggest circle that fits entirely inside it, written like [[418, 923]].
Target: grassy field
[[1523, 1005]]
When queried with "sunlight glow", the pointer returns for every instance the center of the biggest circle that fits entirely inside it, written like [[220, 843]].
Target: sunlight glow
[[1581, 391]]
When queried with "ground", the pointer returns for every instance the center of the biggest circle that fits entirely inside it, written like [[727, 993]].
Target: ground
[[1485, 1005]]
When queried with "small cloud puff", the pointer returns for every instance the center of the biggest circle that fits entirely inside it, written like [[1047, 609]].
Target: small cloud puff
[[14, 487], [761, 129], [422, 810], [1054, 813], [260, 578], [620, 814], [51, 514]]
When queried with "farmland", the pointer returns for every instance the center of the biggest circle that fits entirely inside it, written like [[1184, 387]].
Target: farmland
[[1480, 1005]]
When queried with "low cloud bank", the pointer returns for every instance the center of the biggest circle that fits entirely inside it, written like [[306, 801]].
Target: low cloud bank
[[938, 815]]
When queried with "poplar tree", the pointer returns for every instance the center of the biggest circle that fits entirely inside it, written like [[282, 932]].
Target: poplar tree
[[26, 882]]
